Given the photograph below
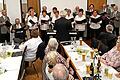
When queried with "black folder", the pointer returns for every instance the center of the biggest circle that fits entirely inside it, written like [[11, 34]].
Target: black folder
[[80, 22], [96, 20], [20, 29], [32, 22], [44, 21], [8, 24], [88, 13], [71, 20]]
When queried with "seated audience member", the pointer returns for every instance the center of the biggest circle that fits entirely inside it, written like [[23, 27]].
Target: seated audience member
[[106, 40], [52, 58], [62, 26], [19, 29], [44, 25], [116, 19], [60, 72], [80, 21], [55, 17], [118, 75], [52, 45], [112, 57], [32, 45], [95, 21], [76, 11]]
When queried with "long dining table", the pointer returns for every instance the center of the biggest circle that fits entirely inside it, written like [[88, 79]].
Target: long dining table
[[11, 63], [79, 66]]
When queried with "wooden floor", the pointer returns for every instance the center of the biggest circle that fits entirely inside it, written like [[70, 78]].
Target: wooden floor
[[30, 73]]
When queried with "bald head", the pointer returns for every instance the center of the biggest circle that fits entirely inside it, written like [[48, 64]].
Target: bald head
[[60, 72], [109, 28]]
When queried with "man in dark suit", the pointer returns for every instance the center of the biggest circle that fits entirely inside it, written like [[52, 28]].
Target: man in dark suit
[[62, 26], [4, 27], [106, 40]]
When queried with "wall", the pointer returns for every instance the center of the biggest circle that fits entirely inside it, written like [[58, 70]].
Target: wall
[[1, 5], [61, 4], [117, 2], [13, 9]]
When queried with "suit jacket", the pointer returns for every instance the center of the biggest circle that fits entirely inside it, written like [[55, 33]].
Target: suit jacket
[[62, 26], [107, 11], [108, 39], [3, 28], [116, 22]]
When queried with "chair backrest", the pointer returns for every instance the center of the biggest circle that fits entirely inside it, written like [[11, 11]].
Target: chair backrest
[[22, 67], [41, 51]]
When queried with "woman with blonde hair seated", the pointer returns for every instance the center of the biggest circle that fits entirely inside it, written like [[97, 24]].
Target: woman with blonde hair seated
[[112, 57], [50, 60]]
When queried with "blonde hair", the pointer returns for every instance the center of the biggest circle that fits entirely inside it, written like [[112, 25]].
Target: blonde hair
[[51, 57], [63, 13]]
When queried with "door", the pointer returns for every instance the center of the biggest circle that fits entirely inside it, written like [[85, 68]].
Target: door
[[35, 4], [97, 3]]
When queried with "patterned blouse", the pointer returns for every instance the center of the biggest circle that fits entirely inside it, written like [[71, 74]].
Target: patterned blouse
[[112, 57]]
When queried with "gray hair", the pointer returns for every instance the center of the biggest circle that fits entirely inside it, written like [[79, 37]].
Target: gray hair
[[60, 72], [109, 28], [53, 44]]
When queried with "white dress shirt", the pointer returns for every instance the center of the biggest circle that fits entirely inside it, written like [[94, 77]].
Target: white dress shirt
[[32, 45], [34, 19], [80, 27], [49, 75], [44, 26]]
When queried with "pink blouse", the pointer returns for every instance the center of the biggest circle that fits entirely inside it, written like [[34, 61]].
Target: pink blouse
[[112, 57]]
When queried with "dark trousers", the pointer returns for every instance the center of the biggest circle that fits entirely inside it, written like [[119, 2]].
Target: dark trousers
[[116, 30], [44, 36], [80, 34], [4, 37], [94, 33], [20, 36]]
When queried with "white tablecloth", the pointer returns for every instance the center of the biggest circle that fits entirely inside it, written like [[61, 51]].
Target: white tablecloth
[[80, 66]]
